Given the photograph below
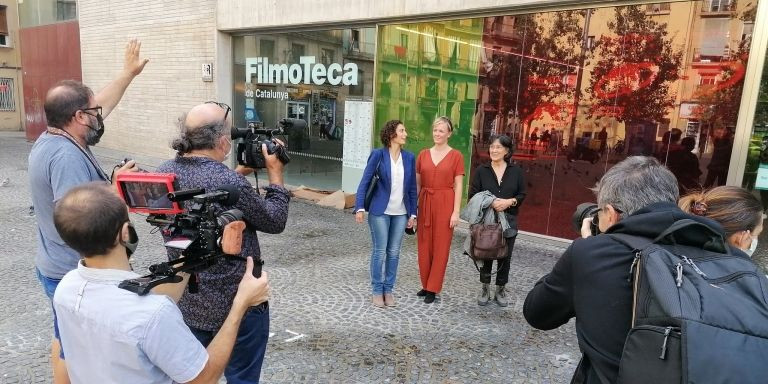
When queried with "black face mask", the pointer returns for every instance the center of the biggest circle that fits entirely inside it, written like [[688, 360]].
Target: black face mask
[[94, 135], [133, 240]]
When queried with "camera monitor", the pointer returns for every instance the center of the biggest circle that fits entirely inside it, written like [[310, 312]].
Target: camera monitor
[[148, 192]]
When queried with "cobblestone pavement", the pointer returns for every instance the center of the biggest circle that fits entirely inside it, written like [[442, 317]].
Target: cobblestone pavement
[[325, 329]]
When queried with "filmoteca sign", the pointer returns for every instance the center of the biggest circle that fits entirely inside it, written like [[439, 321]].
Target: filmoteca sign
[[308, 71]]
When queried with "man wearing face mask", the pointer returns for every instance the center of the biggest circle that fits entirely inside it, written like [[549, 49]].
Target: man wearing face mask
[[113, 335], [61, 159], [638, 197], [203, 145]]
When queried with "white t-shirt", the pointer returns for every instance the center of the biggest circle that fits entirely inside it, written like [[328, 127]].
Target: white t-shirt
[[111, 335], [396, 204]]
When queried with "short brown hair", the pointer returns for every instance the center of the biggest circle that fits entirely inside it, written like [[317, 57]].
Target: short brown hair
[[389, 132], [734, 208], [89, 217], [63, 100]]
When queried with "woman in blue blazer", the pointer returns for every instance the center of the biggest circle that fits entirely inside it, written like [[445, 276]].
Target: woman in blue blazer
[[392, 208]]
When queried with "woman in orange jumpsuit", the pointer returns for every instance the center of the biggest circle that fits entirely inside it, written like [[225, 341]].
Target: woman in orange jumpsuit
[[439, 176]]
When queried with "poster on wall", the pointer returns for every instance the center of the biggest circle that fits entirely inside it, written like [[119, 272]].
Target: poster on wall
[[358, 124]]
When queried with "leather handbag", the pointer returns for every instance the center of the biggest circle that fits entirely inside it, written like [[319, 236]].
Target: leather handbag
[[371, 187], [487, 241]]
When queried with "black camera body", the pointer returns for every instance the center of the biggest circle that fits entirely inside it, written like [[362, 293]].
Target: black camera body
[[583, 211], [254, 135], [198, 232]]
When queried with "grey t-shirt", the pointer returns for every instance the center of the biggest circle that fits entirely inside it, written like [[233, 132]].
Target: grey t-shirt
[[56, 165]]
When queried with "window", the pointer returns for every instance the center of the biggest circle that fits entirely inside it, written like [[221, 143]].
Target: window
[[358, 90], [355, 43], [717, 5], [746, 33], [66, 10], [7, 99], [267, 48], [657, 8], [5, 40], [327, 56], [297, 51]]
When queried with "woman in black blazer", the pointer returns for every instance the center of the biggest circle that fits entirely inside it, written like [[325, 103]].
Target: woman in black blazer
[[505, 181], [392, 208]]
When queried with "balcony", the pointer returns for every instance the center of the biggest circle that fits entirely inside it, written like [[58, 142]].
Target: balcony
[[704, 59], [717, 8]]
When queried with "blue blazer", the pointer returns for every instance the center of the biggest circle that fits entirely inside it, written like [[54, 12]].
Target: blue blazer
[[384, 187]]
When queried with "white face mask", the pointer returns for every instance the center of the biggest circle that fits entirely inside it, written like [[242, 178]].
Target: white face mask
[[752, 247]]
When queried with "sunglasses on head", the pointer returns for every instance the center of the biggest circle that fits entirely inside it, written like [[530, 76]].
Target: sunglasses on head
[[223, 106]]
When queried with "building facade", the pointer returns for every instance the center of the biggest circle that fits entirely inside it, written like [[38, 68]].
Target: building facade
[[578, 85], [11, 107]]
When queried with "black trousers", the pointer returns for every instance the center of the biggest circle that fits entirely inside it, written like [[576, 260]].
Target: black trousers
[[502, 266]]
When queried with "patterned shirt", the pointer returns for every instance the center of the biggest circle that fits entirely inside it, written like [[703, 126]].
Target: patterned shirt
[[207, 309]]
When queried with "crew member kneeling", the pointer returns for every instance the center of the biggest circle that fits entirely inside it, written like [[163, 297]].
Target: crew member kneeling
[[113, 335]]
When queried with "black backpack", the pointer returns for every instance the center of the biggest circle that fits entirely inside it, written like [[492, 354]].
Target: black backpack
[[700, 312]]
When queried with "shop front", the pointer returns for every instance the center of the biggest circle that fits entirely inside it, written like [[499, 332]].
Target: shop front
[[578, 90], [316, 79]]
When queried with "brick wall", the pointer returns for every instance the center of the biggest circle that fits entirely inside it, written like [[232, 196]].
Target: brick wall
[[177, 37]]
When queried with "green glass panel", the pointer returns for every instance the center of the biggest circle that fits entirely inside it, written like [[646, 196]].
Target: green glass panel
[[424, 71]]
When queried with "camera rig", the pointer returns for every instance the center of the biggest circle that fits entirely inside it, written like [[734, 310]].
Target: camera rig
[[254, 135], [202, 235]]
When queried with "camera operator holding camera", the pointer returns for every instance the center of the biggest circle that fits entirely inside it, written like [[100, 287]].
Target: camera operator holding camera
[[637, 196], [203, 146], [61, 159], [114, 335]]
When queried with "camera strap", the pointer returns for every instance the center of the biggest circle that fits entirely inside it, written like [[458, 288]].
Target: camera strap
[[87, 153]]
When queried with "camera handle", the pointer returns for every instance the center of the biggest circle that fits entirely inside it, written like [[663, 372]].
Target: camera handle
[[166, 272]]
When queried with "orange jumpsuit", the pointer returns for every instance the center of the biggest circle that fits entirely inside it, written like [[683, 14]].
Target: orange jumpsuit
[[436, 198]]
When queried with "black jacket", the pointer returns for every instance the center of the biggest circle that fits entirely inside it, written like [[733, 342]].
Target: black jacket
[[512, 184], [589, 282]]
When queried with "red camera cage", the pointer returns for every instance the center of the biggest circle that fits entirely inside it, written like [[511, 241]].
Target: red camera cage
[[144, 180]]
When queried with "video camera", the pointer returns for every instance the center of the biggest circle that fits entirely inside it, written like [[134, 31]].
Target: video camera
[[202, 235], [254, 135]]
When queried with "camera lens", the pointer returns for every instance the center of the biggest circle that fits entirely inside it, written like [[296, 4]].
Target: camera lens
[[583, 211], [229, 216]]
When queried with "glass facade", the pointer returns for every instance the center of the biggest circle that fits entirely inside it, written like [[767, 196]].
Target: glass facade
[[310, 76], [577, 90]]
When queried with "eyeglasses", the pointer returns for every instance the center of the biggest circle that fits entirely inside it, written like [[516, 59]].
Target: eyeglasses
[[223, 106], [96, 108]]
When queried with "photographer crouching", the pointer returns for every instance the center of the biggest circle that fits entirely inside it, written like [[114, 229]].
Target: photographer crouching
[[113, 335], [203, 146]]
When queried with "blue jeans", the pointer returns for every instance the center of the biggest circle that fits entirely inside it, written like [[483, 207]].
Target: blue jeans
[[49, 287], [244, 365], [387, 235]]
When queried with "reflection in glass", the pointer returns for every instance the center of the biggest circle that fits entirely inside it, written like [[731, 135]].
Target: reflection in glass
[[581, 90]]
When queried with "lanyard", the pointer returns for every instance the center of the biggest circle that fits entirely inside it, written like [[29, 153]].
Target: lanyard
[[88, 154]]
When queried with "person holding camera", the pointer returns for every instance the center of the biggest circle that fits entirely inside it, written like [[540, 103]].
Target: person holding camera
[[504, 180], [638, 196], [114, 335], [203, 146], [392, 208], [61, 159]]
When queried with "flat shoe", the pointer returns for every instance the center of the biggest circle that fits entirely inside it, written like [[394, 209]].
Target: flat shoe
[[389, 300], [377, 301], [421, 293]]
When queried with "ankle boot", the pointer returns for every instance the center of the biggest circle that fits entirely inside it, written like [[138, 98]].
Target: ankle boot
[[485, 295], [501, 296]]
